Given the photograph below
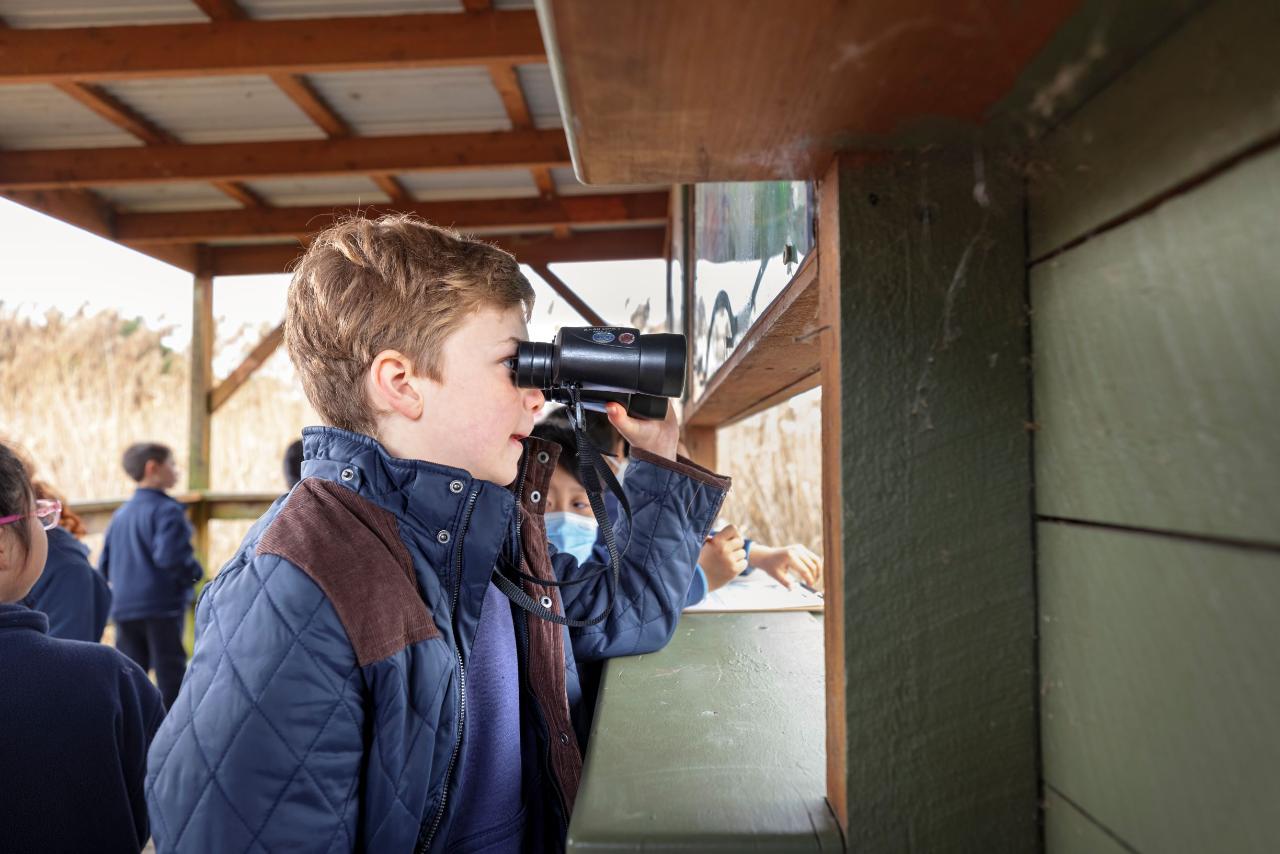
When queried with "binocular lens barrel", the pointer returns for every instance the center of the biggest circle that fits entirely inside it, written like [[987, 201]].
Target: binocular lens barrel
[[609, 358]]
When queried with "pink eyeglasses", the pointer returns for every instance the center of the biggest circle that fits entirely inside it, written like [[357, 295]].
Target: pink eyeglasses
[[48, 511]]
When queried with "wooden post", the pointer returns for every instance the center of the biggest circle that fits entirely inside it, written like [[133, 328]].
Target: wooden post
[[199, 441], [701, 442], [935, 563], [829, 270]]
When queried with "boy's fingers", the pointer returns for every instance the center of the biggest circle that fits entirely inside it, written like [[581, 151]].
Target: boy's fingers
[[738, 554]]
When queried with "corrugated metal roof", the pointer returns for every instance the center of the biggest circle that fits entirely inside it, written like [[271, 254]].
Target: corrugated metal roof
[[335, 190], [264, 9], [42, 14], [39, 116], [471, 184], [421, 100], [540, 94], [157, 198], [513, 4], [217, 109]]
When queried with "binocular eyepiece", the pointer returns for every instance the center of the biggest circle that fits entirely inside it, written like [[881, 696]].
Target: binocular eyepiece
[[605, 363]]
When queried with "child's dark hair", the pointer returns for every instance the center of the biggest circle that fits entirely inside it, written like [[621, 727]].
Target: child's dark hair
[[15, 492], [552, 430], [137, 456], [293, 463], [599, 429]]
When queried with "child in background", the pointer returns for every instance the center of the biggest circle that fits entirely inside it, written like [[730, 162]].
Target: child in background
[[71, 593], [148, 559], [75, 718], [572, 526]]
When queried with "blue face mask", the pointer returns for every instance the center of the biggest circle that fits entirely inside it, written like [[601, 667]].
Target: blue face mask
[[572, 533]]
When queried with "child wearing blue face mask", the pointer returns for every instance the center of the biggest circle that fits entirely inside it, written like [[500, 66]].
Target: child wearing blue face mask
[[572, 526]]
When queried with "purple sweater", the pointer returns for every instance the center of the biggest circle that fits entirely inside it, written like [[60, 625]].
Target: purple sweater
[[491, 820]]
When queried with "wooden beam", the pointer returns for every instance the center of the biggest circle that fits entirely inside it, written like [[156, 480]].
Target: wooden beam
[[568, 295], [507, 82], [199, 459], [546, 184], [205, 226], [833, 582], [289, 46], [477, 5], [615, 245], [232, 161], [262, 351], [310, 102], [129, 120], [776, 356]]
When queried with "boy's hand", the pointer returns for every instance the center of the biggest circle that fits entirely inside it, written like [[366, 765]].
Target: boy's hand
[[657, 437], [723, 557], [782, 562]]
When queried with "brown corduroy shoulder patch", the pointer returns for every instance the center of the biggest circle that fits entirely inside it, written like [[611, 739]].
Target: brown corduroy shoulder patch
[[351, 548]]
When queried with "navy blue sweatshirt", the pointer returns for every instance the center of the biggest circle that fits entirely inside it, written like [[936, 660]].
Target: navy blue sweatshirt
[[76, 720], [148, 559], [71, 593]]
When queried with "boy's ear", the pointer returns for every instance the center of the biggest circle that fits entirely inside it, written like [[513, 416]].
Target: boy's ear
[[390, 387]]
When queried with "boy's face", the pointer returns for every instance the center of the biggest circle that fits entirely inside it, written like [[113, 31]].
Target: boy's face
[[566, 495], [476, 417], [161, 474]]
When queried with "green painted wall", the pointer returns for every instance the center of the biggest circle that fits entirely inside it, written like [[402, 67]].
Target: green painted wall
[[1154, 231], [939, 609]]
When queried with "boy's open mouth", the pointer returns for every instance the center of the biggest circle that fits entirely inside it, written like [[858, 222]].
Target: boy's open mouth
[[518, 437]]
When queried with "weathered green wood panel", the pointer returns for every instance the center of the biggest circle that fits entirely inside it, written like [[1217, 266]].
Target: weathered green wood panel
[[939, 615], [1209, 91], [1069, 831], [1157, 365], [713, 744], [1160, 666]]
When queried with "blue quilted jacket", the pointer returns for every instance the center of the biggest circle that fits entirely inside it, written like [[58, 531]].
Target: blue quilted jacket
[[325, 706]]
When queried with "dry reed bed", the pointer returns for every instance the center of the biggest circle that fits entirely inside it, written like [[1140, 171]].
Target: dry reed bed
[[76, 390]]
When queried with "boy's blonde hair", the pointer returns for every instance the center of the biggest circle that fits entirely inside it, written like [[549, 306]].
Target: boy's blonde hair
[[392, 283]]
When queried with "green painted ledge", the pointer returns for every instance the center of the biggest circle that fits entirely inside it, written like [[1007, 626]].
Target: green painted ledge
[[716, 743]]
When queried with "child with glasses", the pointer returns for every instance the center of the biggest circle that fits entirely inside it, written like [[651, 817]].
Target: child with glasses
[[148, 558], [71, 593], [76, 718]]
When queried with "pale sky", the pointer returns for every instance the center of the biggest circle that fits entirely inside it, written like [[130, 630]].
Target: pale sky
[[48, 264]]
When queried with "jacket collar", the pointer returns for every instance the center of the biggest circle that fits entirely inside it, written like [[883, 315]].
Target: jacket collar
[[15, 615], [443, 511]]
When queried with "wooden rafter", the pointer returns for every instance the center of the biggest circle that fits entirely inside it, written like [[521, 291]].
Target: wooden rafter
[[507, 81], [622, 244], [297, 89], [210, 226], [262, 351], [291, 46], [129, 120], [477, 5], [232, 161], [569, 295]]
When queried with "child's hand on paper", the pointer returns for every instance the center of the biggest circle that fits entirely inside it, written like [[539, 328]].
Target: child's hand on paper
[[723, 557], [781, 562]]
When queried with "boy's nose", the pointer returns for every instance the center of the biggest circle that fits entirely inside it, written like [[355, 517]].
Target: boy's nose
[[535, 400]]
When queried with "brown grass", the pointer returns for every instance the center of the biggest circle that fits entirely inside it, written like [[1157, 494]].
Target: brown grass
[[75, 391]]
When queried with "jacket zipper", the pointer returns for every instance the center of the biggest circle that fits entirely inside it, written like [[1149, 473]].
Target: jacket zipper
[[462, 681], [537, 711]]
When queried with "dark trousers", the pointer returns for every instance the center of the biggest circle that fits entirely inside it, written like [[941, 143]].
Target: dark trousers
[[156, 643]]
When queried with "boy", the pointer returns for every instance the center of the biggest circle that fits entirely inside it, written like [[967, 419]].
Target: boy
[[148, 560], [75, 717], [359, 681]]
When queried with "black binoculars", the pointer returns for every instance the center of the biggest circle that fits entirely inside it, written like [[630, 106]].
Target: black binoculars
[[605, 363]]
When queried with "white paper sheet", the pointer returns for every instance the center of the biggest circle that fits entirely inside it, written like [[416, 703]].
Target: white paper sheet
[[757, 591]]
